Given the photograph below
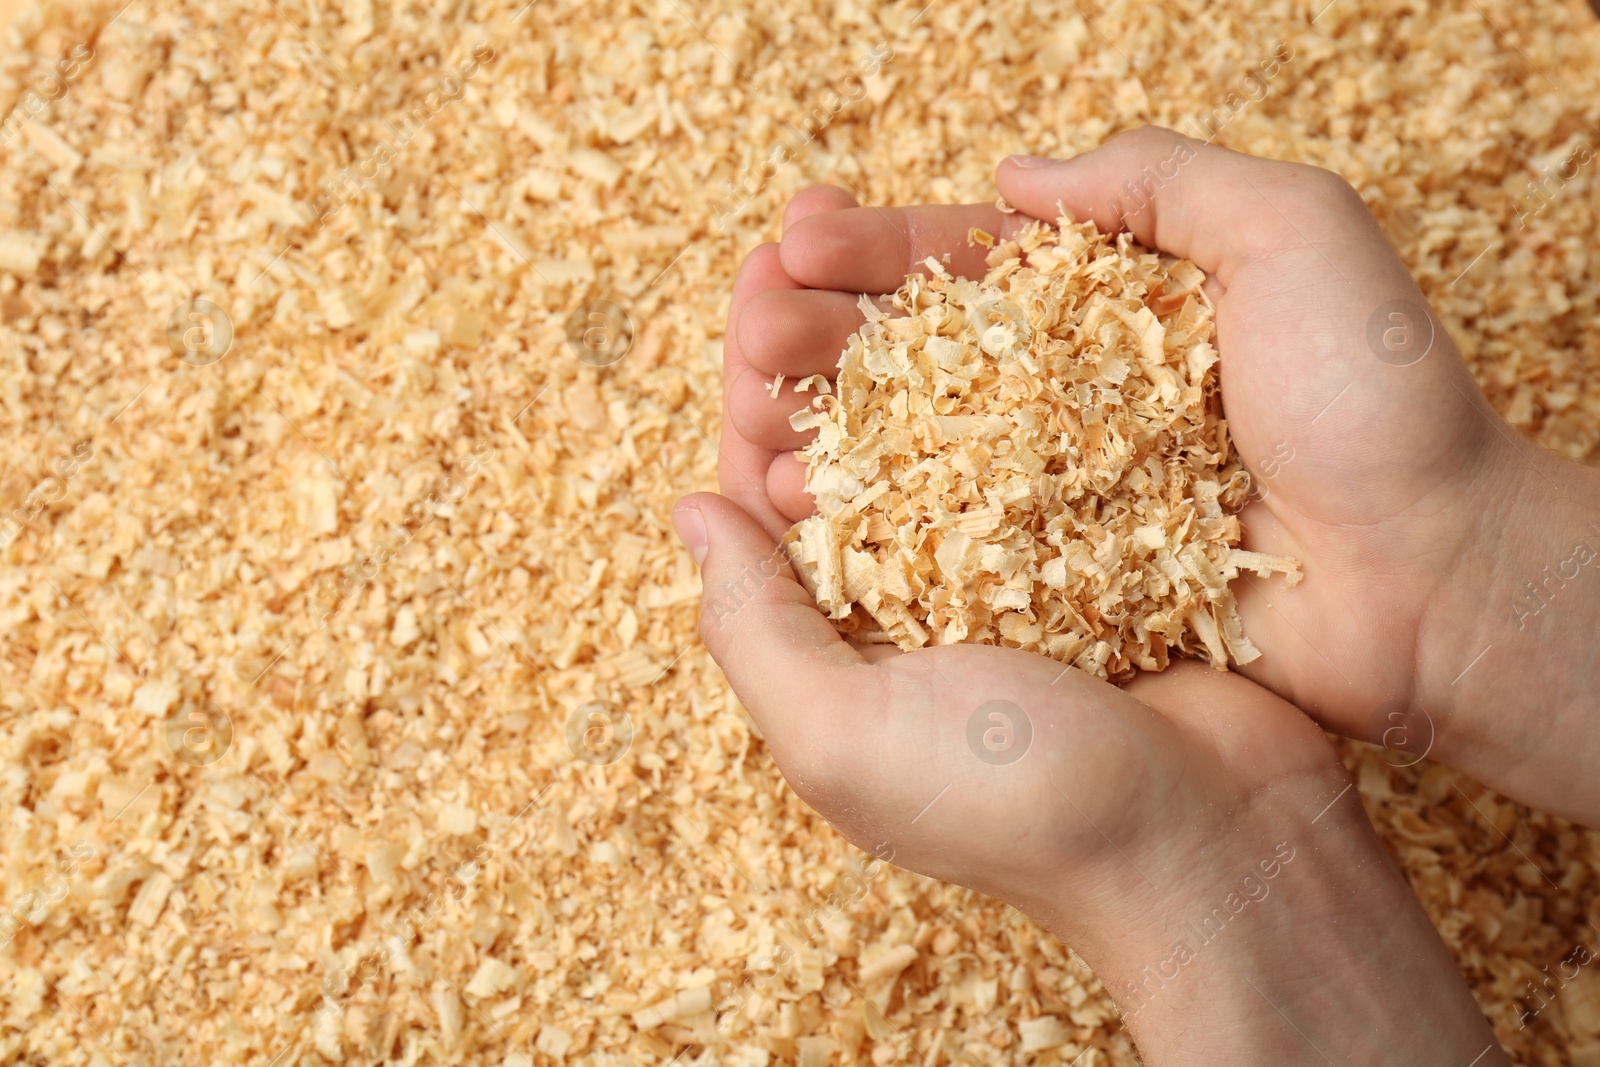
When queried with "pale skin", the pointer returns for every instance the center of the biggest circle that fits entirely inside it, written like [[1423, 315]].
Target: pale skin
[[1419, 516]]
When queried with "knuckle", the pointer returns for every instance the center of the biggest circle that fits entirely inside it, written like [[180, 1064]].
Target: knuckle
[[821, 192], [1326, 183], [710, 623], [824, 747], [816, 793], [1148, 137], [744, 412], [761, 318], [820, 777], [762, 256], [1317, 186], [764, 250], [1309, 205]]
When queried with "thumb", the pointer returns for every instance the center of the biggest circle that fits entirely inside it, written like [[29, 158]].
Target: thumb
[[1218, 208], [786, 662]]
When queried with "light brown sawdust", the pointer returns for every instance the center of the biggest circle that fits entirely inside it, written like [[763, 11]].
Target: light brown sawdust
[[402, 771], [1037, 459]]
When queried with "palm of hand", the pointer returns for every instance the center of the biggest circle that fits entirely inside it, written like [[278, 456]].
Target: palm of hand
[[1077, 772], [1051, 789], [1354, 411]]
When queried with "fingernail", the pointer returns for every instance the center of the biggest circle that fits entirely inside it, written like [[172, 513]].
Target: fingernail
[[1033, 162], [690, 527]]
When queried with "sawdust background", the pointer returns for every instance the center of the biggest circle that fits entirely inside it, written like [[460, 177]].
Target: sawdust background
[[210, 909]]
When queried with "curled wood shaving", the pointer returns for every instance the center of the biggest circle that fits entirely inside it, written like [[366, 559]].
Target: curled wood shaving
[[1037, 460]]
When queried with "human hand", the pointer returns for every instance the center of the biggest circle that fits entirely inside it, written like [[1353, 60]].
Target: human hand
[[1140, 824], [1127, 815], [1378, 462], [1419, 514]]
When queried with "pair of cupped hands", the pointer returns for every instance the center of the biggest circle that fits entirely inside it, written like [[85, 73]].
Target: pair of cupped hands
[[1133, 815]]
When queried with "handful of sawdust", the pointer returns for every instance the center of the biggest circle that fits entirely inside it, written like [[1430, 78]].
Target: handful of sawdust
[[1037, 460]]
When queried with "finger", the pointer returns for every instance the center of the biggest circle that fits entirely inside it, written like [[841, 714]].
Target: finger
[[786, 487], [761, 415], [798, 333], [816, 200], [872, 249], [1219, 208], [787, 663], [742, 464]]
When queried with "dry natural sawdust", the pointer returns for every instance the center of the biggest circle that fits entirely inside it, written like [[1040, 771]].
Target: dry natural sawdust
[[1035, 459], [398, 827]]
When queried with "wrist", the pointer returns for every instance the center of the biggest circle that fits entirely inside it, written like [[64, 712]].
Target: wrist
[[1506, 671], [1301, 943]]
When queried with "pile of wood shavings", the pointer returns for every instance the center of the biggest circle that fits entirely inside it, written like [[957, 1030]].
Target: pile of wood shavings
[[1036, 460], [174, 914]]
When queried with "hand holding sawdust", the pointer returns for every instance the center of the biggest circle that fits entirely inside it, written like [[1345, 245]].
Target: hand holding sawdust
[[1374, 462], [1035, 459], [1101, 810]]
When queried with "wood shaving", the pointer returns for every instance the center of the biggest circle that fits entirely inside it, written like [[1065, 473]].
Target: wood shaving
[[1036, 459], [220, 511]]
